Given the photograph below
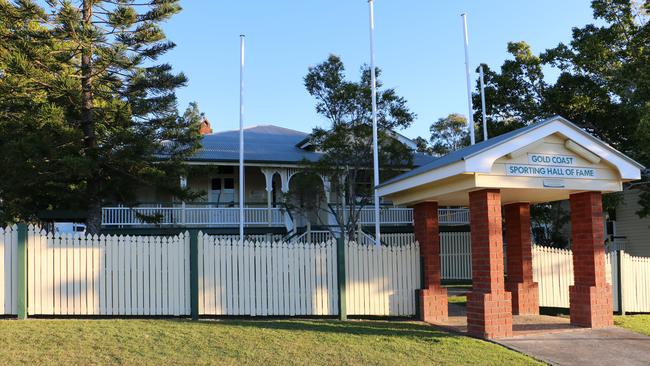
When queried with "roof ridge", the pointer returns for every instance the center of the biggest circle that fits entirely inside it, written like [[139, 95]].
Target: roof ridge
[[260, 126]]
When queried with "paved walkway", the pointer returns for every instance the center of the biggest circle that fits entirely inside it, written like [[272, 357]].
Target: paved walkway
[[608, 346]]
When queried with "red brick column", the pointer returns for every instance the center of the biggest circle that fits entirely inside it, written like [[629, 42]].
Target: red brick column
[[489, 313], [525, 292], [433, 297], [591, 296]]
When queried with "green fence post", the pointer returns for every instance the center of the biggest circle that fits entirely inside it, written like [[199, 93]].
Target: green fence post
[[194, 273], [22, 271], [619, 279], [340, 268]]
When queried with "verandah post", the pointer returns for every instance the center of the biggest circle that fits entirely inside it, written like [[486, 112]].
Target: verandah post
[[340, 269], [194, 273], [22, 271]]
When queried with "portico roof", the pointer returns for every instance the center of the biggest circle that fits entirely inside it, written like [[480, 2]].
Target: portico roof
[[542, 162]]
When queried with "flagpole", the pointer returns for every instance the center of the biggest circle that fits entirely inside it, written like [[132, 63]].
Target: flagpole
[[470, 117], [375, 149], [241, 138], [485, 132]]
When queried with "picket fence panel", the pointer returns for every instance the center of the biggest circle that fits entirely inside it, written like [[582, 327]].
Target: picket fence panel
[[261, 278], [9, 270], [107, 275], [636, 283], [381, 280], [553, 271]]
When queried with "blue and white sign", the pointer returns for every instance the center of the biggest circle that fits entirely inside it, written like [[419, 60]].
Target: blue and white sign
[[527, 170], [550, 166]]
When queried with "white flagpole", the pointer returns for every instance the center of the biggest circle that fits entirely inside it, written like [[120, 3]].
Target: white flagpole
[[241, 138], [485, 133], [375, 148], [470, 117]]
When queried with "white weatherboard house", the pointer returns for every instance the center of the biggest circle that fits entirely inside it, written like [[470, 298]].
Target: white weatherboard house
[[273, 155]]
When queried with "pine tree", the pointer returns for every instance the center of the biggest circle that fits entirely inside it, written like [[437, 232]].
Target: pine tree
[[95, 65]]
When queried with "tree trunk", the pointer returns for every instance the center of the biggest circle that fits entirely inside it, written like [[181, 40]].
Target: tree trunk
[[93, 213]]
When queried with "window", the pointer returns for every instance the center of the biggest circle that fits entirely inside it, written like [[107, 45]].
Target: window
[[222, 190]]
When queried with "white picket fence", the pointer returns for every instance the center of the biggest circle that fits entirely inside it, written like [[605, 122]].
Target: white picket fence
[[262, 278], [381, 280], [107, 275], [455, 252], [9, 270], [635, 277], [553, 271]]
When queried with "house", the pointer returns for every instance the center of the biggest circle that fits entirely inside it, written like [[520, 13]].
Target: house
[[628, 229], [273, 156]]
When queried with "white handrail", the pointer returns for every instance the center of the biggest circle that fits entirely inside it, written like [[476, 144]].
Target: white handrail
[[167, 216], [275, 217]]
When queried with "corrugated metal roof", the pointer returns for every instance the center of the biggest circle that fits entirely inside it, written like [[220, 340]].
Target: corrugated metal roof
[[264, 144]]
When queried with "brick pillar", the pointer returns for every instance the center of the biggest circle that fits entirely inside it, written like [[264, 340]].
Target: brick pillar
[[489, 313], [591, 296], [433, 297], [525, 292]]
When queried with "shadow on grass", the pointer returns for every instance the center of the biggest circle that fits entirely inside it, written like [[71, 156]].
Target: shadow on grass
[[352, 327]]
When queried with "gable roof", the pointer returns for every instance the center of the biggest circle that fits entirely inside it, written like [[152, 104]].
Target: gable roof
[[264, 144], [473, 150]]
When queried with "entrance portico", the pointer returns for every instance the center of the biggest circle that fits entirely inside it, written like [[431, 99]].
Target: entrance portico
[[548, 161]]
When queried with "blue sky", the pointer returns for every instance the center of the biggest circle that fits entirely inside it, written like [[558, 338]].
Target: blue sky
[[418, 46]]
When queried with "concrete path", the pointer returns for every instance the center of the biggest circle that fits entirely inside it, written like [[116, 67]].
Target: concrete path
[[608, 346]]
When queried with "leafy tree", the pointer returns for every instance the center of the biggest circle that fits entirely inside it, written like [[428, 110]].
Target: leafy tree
[[449, 134], [603, 83], [346, 145], [93, 65]]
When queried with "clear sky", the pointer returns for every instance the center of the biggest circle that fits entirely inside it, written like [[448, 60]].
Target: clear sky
[[418, 46]]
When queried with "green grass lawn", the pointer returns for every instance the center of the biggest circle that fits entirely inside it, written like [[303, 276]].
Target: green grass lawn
[[636, 323], [258, 342]]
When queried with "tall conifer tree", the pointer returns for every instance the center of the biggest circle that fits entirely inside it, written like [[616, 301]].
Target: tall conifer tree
[[96, 63]]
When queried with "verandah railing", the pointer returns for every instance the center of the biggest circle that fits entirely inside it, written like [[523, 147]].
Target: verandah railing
[[217, 215], [191, 216]]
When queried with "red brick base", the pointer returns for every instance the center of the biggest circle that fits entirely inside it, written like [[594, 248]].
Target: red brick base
[[433, 297], [591, 296], [489, 314], [433, 304], [525, 298], [591, 306]]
